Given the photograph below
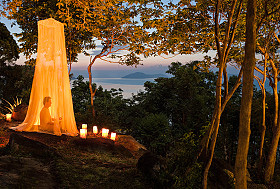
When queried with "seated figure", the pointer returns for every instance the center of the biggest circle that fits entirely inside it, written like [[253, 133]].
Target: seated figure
[[46, 122]]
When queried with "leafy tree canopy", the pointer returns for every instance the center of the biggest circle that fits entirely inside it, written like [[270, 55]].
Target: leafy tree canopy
[[9, 50], [88, 24]]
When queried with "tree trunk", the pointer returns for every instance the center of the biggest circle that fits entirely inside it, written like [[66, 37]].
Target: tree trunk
[[263, 127], [92, 93], [216, 123], [222, 54], [271, 158], [275, 94], [246, 100]]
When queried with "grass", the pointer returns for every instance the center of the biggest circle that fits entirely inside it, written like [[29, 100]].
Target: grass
[[99, 169]]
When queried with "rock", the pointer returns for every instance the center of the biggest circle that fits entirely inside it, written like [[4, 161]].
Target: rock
[[221, 175], [18, 143], [105, 144], [132, 145], [20, 112], [147, 162], [149, 165]]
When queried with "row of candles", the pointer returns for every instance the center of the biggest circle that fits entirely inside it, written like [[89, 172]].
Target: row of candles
[[104, 132], [83, 131]]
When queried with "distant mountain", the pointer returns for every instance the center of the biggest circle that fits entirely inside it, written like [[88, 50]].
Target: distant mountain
[[140, 75]]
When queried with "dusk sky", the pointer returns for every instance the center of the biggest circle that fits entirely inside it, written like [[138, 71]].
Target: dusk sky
[[83, 61]]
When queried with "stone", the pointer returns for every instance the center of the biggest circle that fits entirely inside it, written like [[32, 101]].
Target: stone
[[132, 145], [150, 165], [20, 112], [102, 144], [20, 143]]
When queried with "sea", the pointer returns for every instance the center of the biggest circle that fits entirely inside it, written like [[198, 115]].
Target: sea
[[109, 79]]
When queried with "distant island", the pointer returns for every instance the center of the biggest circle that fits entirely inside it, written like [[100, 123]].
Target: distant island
[[140, 75]]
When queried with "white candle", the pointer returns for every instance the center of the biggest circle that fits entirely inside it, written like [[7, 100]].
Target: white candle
[[9, 117], [83, 133], [95, 130], [113, 136], [84, 126], [105, 132]]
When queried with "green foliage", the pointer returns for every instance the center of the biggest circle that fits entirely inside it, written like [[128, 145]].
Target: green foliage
[[9, 50], [154, 132], [179, 96], [81, 100], [182, 166], [109, 105], [16, 80]]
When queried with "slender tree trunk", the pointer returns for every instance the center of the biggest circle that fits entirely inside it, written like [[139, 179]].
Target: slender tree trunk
[[70, 67], [92, 93], [271, 158], [222, 53], [263, 127], [246, 100], [275, 94], [216, 123]]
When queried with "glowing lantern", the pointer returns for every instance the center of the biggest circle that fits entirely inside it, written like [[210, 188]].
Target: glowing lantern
[[95, 130], [84, 126], [83, 133], [113, 136], [9, 117], [105, 132]]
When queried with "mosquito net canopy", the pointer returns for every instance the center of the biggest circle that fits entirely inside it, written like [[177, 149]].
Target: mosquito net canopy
[[51, 79]]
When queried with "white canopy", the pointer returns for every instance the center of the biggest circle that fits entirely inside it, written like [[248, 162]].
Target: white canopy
[[51, 79]]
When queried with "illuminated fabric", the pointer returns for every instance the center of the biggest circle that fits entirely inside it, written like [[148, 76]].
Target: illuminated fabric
[[50, 79]]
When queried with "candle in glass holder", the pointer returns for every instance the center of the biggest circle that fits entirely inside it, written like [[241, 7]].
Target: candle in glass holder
[[83, 133], [84, 126], [9, 117], [95, 130], [105, 132], [113, 136]]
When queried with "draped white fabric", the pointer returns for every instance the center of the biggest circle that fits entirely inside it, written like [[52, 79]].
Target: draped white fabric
[[51, 79]]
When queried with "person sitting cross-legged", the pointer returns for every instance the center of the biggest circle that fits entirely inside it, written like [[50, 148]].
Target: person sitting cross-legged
[[46, 122]]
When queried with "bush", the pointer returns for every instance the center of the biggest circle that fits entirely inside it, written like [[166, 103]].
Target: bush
[[183, 167], [154, 132]]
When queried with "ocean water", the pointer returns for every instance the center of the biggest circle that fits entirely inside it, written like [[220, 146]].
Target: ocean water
[[113, 79], [129, 86]]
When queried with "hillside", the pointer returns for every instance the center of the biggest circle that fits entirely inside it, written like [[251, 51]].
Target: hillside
[[37, 160]]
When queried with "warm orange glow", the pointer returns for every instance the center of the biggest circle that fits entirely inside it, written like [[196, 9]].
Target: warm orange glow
[[95, 130], [113, 136], [83, 133], [105, 132], [51, 79], [9, 117], [84, 126]]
